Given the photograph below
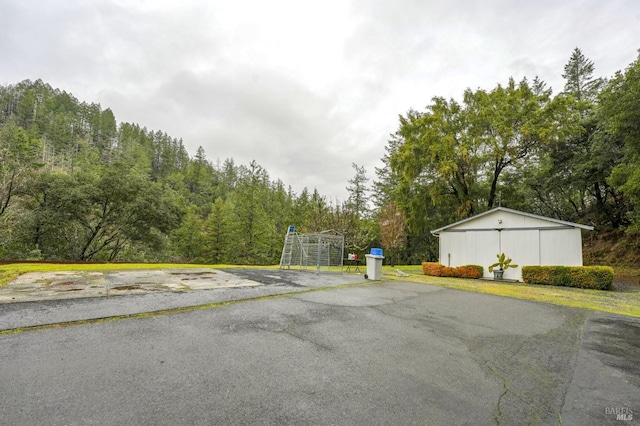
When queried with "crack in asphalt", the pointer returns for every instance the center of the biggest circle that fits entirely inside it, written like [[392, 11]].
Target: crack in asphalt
[[542, 366], [540, 372], [574, 363], [388, 301], [321, 346], [505, 387], [286, 324], [434, 325]]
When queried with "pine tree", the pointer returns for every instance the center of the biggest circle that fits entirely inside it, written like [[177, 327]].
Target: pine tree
[[219, 233], [578, 75], [358, 191]]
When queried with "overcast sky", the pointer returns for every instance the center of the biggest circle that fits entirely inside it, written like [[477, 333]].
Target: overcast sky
[[306, 88]]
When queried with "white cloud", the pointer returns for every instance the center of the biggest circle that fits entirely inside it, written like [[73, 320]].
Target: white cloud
[[304, 88]]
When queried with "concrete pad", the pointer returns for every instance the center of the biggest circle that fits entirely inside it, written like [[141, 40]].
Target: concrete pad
[[119, 293], [38, 286]]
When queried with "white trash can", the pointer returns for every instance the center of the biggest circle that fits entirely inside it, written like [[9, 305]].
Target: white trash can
[[374, 264]]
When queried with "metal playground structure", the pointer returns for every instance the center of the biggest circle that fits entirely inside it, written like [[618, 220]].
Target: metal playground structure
[[307, 251]]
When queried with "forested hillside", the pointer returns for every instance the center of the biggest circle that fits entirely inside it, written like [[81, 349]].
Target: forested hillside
[[77, 185]]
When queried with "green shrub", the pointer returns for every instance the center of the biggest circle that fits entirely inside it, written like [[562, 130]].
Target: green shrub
[[561, 277], [590, 277], [593, 277]]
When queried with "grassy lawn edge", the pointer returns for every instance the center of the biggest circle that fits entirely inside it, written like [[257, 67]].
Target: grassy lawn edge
[[622, 303]]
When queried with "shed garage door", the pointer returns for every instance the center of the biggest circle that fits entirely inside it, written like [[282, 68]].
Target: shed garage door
[[560, 247]]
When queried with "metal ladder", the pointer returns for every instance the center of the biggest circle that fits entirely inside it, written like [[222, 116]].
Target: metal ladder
[[285, 259]]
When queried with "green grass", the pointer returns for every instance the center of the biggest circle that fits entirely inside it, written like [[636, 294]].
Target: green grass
[[617, 302]]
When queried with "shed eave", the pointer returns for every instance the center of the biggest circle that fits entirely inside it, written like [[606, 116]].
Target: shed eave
[[436, 232]]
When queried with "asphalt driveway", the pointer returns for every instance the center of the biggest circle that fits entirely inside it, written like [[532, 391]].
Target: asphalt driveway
[[384, 353]]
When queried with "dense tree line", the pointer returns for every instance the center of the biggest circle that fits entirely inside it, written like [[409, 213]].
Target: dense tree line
[[76, 185], [573, 156]]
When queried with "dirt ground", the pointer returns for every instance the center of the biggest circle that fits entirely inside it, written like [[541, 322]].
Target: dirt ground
[[626, 281]]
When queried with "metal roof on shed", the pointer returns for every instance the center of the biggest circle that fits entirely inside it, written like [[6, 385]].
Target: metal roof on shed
[[504, 209]]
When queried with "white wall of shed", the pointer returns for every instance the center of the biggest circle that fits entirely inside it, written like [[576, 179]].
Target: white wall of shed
[[524, 246], [453, 249], [561, 247], [481, 248], [468, 248]]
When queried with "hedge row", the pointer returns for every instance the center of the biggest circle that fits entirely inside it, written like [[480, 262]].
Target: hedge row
[[591, 277], [435, 269]]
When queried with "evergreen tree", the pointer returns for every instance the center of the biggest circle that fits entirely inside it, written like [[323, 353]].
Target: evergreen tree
[[384, 187], [255, 229], [188, 240], [220, 234], [317, 213], [579, 80], [358, 191]]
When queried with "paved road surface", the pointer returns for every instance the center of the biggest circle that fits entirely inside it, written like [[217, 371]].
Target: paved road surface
[[388, 353]]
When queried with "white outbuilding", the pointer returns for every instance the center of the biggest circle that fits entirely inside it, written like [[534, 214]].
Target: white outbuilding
[[526, 238]]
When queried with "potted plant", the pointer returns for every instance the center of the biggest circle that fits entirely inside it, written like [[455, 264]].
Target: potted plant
[[502, 264]]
